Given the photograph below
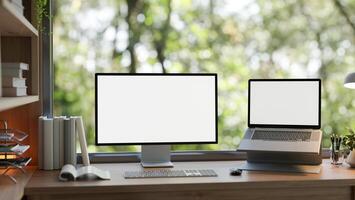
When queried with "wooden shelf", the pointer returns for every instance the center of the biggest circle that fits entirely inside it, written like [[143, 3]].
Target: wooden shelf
[[12, 102], [13, 23], [20, 42]]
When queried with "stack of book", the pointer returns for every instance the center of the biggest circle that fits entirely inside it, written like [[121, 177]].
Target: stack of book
[[13, 83], [57, 141], [17, 5]]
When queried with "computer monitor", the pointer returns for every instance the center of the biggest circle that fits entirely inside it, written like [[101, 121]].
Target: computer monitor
[[289, 103], [155, 111]]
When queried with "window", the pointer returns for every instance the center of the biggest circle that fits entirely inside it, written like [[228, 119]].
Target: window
[[237, 39]]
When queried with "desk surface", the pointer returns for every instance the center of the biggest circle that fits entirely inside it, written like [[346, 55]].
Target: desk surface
[[46, 182], [14, 191]]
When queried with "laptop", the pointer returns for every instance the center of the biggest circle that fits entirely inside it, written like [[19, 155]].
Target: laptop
[[284, 115]]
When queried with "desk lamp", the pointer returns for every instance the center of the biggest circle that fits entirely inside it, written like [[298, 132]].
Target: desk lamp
[[350, 81]]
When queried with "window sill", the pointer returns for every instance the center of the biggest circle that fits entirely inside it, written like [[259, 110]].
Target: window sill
[[178, 156]]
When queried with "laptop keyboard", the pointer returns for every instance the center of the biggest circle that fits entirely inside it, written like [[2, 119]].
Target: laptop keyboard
[[282, 135]]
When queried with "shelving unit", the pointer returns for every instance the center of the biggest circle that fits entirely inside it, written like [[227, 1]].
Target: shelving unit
[[13, 23], [20, 42], [13, 102]]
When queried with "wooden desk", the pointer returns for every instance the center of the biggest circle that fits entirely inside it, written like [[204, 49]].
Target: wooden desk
[[332, 183], [14, 191]]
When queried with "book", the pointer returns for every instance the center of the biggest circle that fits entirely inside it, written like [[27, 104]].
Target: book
[[17, 4], [56, 151], [12, 72], [73, 140], [70, 173], [20, 149], [61, 141], [66, 122], [40, 142], [7, 148], [14, 149], [69, 141], [14, 91], [58, 142], [13, 82], [20, 65], [6, 136], [47, 143], [16, 162]]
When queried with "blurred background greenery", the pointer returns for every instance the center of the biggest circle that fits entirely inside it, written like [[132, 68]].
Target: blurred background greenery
[[236, 39]]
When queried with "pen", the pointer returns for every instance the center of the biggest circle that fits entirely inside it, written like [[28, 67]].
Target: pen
[[332, 144]]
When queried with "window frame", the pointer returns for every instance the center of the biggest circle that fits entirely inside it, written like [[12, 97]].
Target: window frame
[[47, 73], [117, 157]]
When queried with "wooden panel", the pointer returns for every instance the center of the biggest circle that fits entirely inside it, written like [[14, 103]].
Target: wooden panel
[[315, 193], [33, 114], [0, 71], [13, 23]]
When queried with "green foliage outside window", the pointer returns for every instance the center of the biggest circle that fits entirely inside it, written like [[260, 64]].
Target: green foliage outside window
[[237, 39]]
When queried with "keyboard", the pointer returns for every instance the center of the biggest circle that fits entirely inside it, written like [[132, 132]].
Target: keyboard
[[168, 173], [283, 135]]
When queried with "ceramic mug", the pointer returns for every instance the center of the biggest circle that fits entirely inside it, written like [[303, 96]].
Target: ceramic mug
[[351, 159]]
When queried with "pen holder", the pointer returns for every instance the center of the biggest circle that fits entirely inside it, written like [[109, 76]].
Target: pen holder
[[337, 156], [336, 150]]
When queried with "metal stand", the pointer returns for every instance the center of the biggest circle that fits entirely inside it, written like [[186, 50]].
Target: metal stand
[[156, 156], [285, 158], [283, 162], [8, 136], [12, 166]]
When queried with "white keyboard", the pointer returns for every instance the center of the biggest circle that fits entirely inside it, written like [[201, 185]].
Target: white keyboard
[[168, 173]]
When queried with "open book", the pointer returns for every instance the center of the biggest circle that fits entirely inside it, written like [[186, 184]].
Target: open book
[[70, 173]]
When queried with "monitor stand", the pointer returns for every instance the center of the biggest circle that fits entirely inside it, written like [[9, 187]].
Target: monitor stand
[[156, 156]]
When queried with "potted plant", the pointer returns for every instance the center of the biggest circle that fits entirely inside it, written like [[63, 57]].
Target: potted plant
[[349, 143]]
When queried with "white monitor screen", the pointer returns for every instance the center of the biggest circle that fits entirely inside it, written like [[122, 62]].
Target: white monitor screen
[[284, 102], [156, 108]]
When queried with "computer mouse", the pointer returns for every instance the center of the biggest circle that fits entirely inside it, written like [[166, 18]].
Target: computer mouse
[[235, 172]]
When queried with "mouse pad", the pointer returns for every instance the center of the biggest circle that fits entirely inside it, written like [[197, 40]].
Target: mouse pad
[[312, 169]]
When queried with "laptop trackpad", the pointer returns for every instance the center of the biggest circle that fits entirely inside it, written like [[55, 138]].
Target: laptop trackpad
[[313, 169]]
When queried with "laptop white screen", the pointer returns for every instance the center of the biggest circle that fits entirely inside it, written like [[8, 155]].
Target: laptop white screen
[[284, 102]]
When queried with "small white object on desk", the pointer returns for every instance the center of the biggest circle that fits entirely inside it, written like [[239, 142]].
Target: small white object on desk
[[69, 173]]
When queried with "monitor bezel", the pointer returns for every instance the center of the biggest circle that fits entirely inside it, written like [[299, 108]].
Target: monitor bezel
[[156, 74], [288, 125]]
